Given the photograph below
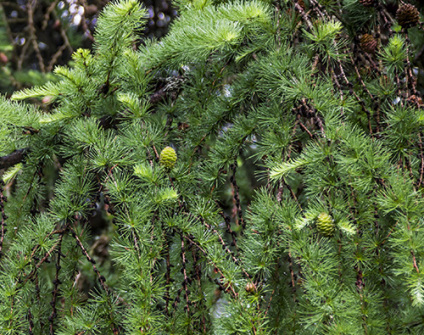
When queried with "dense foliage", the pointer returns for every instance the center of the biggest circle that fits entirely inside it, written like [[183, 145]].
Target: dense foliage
[[259, 170]]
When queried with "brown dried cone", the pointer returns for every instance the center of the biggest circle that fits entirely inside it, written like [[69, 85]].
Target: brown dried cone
[[368, 43], [367, 3], [325, 225], [407, 15], [301, 4], [416, 100], [250, 288]]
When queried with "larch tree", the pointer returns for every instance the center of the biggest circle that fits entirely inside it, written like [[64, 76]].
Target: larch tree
[[258, 170]]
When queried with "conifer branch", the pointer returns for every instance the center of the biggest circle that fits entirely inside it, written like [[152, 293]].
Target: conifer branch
[[224, 245], [185, 281], [236, 195], [230, 287], [30, 322], [13, 158], [44, 259], [304, 128], [304, 16], [56, 283], [152, 266], [420, 144], [197, 273], [38, 297], [233, 234], [177, 299], [167, 275], [102, 279], [409, 77], [3, 199]]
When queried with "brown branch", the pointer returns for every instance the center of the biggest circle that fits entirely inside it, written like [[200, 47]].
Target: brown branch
[[236, 196], [5, 20], [33, 36], [197, 269], [56, 283], [158, 96], [306, 129], [66, 45], [233, 234], [38, 297], [186, 291], [224, 245], [177, 300], [420, 144], [44, 259], [87, 31], [30, 322], [230, 287], [414, 261], [22, 56], [278, 24], [102, 279], [168, 277], [408, 70], [49, 10], [304, 16]]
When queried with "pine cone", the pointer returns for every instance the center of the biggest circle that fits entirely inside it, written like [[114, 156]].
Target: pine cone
[[368, 43], [416, 100], [325, 225], [367, 3], [407, 15], [250, 288], [168, 157]]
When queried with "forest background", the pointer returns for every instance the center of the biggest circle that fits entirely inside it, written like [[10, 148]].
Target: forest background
[[35, 36]]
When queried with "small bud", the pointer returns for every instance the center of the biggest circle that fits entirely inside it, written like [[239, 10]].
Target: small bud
[[47, 99], [57, 24], [3, 59]]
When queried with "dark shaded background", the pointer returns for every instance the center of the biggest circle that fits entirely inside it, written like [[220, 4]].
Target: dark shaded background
[[37, 35]]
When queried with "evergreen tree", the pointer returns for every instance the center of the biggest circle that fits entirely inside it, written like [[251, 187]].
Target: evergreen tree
[[259, 170]]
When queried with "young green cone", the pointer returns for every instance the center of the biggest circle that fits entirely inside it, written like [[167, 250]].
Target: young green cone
[[168, 157], [325, 225]]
